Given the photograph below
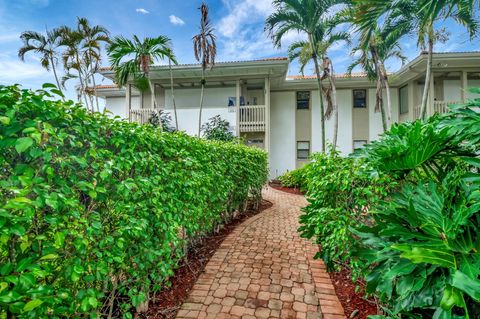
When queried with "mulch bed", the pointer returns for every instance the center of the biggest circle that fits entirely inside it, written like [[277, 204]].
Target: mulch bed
[[351, 300], [169, 300], [289, 190]]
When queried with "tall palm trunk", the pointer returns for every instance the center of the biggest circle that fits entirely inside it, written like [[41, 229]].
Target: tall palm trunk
[[335, 106], [173, 94], [54, 69], [389, 97], [380, 86], [152, 92], [80, 77], [95, 91], [428, 78], [319, 83], [201, 102]]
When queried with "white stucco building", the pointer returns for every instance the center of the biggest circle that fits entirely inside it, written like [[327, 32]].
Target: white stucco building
[[282, 113]]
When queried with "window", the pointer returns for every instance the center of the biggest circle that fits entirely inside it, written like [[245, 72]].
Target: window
[[360, 98], [303, 100], [358, 144], [403, 99], [303, 150]]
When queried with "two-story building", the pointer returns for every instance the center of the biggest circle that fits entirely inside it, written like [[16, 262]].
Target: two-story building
[[281, 113]]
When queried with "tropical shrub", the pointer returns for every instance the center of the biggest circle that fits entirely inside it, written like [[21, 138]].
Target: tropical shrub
[[95, 212], [163, 119], [217, 129], [340, 192], [295, 178], [418, 241]]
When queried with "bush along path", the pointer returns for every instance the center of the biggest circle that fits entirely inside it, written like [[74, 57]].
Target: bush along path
[[263, 269], [96, 213]]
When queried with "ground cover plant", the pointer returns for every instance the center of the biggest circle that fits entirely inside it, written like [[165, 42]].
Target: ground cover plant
[[95, 213], [295, 178], [417, 243]]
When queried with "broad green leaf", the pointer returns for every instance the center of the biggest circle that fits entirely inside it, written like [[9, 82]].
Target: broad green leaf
[[32, 304], [4, 120], [466, 284], [425, 254], [22, 144], [451, 297]]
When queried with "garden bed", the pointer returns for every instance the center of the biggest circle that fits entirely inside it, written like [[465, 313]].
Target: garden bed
[[169, 300], [278, 186], [352, 300]]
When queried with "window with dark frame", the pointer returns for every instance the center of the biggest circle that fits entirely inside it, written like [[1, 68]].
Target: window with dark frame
[[303, 150], [303, 100], [403, 99], [360, 98], [359, 144]]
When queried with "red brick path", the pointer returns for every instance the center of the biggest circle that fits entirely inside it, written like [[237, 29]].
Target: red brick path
[[263, 269]]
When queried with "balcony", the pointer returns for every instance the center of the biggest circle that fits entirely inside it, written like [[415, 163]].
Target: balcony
[[252, 118], [439, 107]]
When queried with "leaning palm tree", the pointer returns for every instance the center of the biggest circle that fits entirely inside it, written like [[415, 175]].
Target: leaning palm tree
[[205, 50], [301, 16], [419, 16], [302, 51], [373, 50], [132, 59], [44, 45], [93, 36], [72, 59]]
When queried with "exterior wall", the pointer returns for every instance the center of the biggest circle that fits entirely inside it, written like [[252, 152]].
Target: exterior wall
[[303, 128], [187, 102], [117, 105], [282, 145], [344, 139], [473, 84], [451, 90], [375, 118]]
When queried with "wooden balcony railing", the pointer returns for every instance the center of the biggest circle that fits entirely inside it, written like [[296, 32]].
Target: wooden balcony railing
[[438, 107], [252, 118], [142, 116]]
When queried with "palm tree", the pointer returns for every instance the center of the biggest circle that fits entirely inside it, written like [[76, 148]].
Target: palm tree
[[46, 46], [373, 50], [133, 58], [93, 36], [205, 50], [302, 51], [418, 16], [301, 16], [72, 59], [172, 89]]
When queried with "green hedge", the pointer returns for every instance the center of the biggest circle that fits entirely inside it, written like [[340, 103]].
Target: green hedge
[[95, 212], [405, 213], [295, 178]]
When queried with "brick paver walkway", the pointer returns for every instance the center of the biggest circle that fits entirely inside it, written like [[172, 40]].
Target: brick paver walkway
[[263, 269]]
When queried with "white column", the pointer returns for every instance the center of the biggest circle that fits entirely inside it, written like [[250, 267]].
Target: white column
[[152, 102], [431, 96], [464, 86], [267, 117], [128, 101], [412, 101], [237, 107]]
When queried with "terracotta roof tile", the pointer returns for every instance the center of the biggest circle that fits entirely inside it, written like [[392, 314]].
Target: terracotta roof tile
[[338, 76]]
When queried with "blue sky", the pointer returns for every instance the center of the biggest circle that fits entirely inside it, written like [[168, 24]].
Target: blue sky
[[238, 24]]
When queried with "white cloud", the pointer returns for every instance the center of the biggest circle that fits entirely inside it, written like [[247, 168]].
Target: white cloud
[[176, 20], [240, 32], [142, 11], [16, 71]]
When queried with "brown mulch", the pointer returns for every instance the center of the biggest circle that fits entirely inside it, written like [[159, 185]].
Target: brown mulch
[[168, 301], [289, 190], [351, 299]]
